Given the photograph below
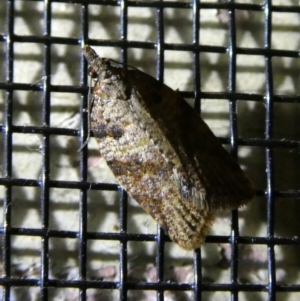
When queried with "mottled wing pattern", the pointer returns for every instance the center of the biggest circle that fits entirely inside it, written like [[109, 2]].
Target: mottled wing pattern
[[208, 175], [142, 171], [162, 153]]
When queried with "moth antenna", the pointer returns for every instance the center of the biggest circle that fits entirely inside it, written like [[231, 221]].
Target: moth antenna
[[124, 65], [88, 111]]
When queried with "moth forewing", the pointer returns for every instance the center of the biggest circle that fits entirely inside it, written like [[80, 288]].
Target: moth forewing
[[209, 174], [162, 153]]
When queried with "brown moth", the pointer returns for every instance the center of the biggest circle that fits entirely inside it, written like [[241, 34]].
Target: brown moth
[[161, 152]]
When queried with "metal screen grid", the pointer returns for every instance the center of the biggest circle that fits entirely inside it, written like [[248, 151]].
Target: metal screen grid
[[199, 286]]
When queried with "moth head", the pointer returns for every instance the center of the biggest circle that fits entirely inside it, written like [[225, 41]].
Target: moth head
[[97, 66], [89, 53], [93, 73]]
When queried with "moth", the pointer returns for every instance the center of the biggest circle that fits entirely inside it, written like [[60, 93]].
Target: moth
[[161, 151]]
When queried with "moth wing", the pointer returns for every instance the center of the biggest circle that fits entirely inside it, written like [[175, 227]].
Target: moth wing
[[141, 169], [206, 173]]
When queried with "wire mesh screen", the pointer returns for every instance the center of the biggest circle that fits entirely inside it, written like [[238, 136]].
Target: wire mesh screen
[[69, 232]]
